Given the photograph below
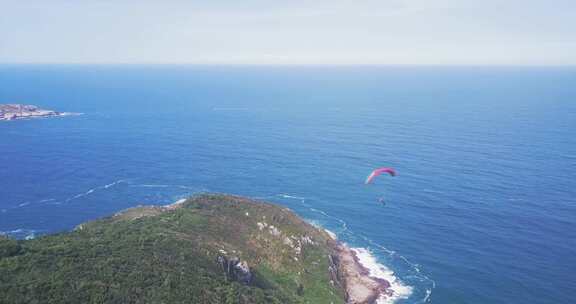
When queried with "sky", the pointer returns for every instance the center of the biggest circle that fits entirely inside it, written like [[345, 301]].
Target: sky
[[445, 32]]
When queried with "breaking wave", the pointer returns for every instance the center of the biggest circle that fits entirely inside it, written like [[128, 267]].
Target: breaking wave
[[20, 233], [410, 282], [378, 270]]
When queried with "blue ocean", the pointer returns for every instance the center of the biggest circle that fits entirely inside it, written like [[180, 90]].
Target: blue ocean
[[483, 209]]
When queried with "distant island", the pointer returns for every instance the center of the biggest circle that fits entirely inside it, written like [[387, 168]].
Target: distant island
[[210, 248], [20, 111]]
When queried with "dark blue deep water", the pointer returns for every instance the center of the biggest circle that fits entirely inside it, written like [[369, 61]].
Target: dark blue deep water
[[483, 209]]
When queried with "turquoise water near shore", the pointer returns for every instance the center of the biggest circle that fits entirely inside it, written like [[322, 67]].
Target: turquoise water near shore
[[483, 209]]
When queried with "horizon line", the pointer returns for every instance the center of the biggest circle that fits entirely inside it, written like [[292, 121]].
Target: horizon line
[[569, 65]]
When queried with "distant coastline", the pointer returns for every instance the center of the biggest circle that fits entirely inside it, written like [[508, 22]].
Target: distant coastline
[[21, 111]]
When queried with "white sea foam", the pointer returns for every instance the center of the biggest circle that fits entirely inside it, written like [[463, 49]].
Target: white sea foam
[[323, 213], [291, 196], [342, 222], [415, 269], [421, 286], [151, 186], [113, 184], [319, 211], [163, 186], [428, 293], [77, 196], [377, 270], [20, 233], [70, 114], [176, 203], [317, 224], [331, 234]]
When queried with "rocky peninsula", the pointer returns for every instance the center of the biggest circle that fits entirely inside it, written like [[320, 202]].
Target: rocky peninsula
[[210, 248], [20, 111]]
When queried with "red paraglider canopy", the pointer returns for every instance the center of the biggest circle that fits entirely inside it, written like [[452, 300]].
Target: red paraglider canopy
[[379, 171]]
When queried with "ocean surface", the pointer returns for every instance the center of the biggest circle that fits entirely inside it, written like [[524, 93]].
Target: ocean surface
[[483, 209]]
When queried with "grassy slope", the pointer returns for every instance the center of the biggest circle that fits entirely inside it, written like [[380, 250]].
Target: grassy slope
[[147, 255]]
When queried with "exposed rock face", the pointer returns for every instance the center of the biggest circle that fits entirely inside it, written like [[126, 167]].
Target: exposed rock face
[[18, 111], [334, 271], [360, 287], [234, 269]]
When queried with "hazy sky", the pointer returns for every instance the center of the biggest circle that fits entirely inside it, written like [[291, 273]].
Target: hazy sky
[[531, 32]]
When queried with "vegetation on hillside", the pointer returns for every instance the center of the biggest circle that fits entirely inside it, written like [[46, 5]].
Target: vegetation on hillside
[[172, 254]]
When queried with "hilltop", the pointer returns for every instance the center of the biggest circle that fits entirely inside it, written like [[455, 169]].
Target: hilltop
[[207, 249]]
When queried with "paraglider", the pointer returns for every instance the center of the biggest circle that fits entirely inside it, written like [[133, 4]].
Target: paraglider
[[382, 201], [379, 171], [376, 173]]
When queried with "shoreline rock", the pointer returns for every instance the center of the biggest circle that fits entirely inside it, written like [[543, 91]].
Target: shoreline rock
[[20, 111], [360, 287]]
